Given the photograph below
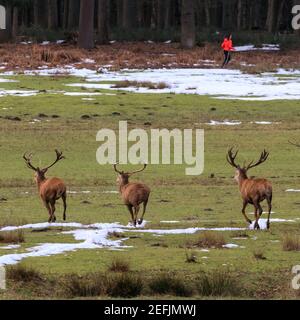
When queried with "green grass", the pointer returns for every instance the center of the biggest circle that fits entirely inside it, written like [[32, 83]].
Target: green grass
[[194, 201]]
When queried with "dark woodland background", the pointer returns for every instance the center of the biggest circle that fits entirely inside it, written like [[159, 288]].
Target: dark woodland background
[[190, 22]]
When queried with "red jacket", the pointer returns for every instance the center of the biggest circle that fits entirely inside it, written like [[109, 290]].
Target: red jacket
[[227, 45]]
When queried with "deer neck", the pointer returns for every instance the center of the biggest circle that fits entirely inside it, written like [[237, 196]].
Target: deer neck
[[40, 182], [241, 179]]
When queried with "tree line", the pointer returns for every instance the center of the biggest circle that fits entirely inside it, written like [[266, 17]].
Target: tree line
[[94, 20]]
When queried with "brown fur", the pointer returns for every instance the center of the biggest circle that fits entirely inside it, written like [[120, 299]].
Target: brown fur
[[253, 191], [133, 194], [50, 190]]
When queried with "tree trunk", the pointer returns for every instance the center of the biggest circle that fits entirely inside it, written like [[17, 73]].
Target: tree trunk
[[239, 15], [73, 17], [52, 14], [207, 12], [86, 24], [167, 13], [15, 22], [272, 15], [119, 13], [160, 14], [66, 14], [129, 14], [188, 32], [102, 21]]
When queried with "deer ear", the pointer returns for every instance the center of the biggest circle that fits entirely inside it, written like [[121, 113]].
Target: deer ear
[[44, 170]]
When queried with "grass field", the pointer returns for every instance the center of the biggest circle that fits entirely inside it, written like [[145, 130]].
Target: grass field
[[211, 200]]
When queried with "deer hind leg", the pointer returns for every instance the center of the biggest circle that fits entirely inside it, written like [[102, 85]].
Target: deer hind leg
[[136, 213], [47, 205], [144, 211], [64, 199], [129, 206], [53, 211], [256, 225], [269, 200], [244, 212]]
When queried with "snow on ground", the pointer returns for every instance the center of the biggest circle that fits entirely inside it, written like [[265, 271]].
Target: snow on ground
[[264, 47], [219, 83], [292, 190], [223, 84], [224, 123], [263, 222], [96, 236]]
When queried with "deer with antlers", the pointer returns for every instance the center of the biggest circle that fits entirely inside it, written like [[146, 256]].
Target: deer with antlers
[[133, 193], [253, 191], [51, 189]]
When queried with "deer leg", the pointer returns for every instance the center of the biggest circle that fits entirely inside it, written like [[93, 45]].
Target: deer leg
[[256, 225], [64, 199], [131, 212], [260, 210], [53, 211], [49, 210], [244, 212], [136, 212], [269, 200], [144, 211]]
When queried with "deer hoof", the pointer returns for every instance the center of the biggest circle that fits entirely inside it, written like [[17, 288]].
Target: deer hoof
[[140, 221], [268, 225]]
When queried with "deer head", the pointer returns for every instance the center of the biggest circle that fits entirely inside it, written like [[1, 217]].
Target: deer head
[[40, 172], [241, 171], [123, 177]]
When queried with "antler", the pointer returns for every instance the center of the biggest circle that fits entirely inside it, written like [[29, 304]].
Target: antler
[[294, 144], [130, 173], [59, 157], [231, 157], [140, 170], [117, 171], [28, 161], [263, 157]]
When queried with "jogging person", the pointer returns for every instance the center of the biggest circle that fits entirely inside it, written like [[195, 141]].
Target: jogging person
[[227, 47]]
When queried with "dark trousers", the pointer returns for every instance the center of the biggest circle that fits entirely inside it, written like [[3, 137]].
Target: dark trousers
[[227, 58]]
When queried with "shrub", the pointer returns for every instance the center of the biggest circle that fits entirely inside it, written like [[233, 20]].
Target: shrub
[[119, 265], [23, 274], [291, 243], [12, 236], [85, 286], [217, 283], [125, 286], [165, 284], [209, 240], [258, 254], [191, 257]]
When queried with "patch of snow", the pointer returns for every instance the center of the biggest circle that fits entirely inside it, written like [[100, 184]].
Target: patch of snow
[[292, 190], [60, 41], [115, 192], [88, 60], [19, 93], [10, 247], [263, 223], [251, 47], [174, 221], [220, 83], [230, 246], [224, 123]]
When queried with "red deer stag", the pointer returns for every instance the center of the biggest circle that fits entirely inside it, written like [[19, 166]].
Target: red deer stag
[[133, 194], [253, 191], [50, 189]]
